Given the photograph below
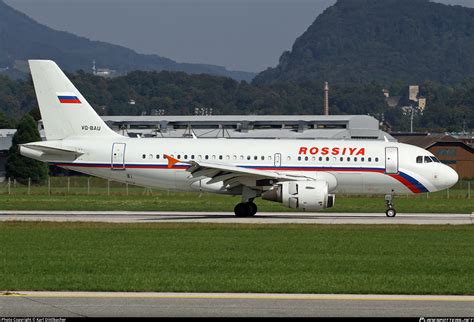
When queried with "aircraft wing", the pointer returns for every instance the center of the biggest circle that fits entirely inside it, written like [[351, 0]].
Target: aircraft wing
[[233, 176]]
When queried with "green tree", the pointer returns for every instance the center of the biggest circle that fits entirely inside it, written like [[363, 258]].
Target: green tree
[[5, 123], [19, 167]]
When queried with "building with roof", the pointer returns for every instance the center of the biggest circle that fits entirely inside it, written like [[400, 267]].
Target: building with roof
[[251, 126], [6, 136]]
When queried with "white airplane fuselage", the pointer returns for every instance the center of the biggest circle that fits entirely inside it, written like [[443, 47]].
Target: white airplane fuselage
[[349, 167], [301, 174]]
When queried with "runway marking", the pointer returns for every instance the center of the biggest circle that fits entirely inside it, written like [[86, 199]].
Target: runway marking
[[256, 296]]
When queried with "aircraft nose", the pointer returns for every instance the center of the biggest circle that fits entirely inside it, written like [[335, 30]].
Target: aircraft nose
[[451, 177]]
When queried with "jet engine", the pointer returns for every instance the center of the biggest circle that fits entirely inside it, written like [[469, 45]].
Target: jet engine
[[307, 195]]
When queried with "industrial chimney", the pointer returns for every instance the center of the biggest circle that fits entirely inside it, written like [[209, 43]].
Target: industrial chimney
[[326, 98]]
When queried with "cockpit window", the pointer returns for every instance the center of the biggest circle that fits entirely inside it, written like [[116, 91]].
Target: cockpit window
[[426, 159]]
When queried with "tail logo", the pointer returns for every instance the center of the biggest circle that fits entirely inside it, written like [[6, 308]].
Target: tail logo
[[68, 98]]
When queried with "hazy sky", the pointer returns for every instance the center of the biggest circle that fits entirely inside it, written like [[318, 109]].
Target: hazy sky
[[247, 35]]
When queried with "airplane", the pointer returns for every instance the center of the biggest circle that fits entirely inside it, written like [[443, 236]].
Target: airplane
[[300, 174]]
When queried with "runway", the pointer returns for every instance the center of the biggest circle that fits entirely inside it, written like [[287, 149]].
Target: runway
[[228, 217], [93, 304]]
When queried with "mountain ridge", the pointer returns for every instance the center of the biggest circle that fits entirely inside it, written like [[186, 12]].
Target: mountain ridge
[[359, 41], [22, 38]]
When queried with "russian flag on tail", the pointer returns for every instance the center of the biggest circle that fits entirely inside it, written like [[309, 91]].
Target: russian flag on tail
[[68, 98]]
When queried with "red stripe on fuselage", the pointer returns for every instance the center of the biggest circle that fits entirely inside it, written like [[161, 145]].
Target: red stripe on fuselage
[[406, 183]]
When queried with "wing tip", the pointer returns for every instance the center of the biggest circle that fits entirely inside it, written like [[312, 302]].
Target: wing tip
[[171, 161]]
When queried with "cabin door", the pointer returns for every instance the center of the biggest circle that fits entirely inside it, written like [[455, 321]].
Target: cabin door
[[118, 156], [391, 160], [277, 159]]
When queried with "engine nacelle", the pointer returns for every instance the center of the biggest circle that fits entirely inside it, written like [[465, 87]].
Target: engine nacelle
[[307, 195]]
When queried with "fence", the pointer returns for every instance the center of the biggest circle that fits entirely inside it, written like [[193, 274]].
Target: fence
[[73, 185], [83, 185]]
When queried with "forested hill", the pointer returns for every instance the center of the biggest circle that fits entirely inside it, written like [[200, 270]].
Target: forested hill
[[359, 41], [178, 93], [22, 38]]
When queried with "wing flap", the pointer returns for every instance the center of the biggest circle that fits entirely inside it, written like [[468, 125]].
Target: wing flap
[[204, 169], [232, 176]]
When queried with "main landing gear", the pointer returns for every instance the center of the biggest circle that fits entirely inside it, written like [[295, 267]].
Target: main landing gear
[[245, 209], [390, 212]]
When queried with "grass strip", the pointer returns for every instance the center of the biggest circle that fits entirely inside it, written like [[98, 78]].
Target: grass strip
[[237, 258], [210, 202]]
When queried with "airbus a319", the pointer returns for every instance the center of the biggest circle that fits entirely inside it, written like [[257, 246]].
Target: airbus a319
[[301, 174]]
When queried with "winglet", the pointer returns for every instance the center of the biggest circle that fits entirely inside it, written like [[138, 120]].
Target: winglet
[[171, 161]]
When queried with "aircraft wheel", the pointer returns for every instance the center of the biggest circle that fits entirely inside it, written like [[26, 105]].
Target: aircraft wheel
[[391, 212], [242, 210], [254, 208]]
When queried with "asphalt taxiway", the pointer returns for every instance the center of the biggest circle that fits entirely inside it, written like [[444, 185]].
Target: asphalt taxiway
[[80, 304], [227, 217]]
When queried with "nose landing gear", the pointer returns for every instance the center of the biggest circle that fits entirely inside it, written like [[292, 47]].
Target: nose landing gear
[[390, 212]]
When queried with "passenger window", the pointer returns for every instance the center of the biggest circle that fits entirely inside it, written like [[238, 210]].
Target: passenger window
[[288, 158], [306, 158], [376, 159], [299, 158], [157, 156], [263, 158], [248, 157], [150, 156], [313, 158], [355, 159], [255, 157], [341, 159], [370, 159], [327, 158], [143, 156], [419, 159], [192, 157], [428, 159], [362, 159], [185, 157], [227, 157], [206, 157], [348, 158], [220, 157], [320, 158]]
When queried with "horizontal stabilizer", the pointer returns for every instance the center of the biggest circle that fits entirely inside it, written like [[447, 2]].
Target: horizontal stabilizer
[[42, 150]]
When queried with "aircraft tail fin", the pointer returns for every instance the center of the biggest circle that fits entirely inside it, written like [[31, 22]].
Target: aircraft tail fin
[[64, 111]]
